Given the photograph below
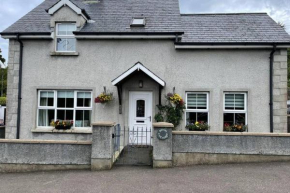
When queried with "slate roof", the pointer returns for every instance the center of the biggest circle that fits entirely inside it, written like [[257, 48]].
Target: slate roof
[[161, 16], [242, 27], [110, 16]]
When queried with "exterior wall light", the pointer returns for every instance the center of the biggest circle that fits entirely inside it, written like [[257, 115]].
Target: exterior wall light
[[140, 83]]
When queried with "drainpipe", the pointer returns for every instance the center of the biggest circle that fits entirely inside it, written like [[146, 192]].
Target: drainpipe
[[19, 87], [271, 89]]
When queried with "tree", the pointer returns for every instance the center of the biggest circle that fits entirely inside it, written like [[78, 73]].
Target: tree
[[1, 57]]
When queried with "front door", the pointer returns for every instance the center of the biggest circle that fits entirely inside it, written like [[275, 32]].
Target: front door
[[140, 118]]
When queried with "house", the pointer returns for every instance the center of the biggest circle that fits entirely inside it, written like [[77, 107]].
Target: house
[[228, 68]]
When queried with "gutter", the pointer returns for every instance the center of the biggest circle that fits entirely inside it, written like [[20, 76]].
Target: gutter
[[19, 87], [230, 45], [27, 35], [127, 35], [271, 88]]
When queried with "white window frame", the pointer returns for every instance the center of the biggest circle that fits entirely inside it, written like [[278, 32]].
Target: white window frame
[[55, 108], [198, 110], [64, 36], [245, 111]]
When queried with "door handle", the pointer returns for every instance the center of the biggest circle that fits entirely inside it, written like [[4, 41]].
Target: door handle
[[149, 118]]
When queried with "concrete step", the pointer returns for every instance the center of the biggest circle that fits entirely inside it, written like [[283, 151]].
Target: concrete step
[[136, 155]]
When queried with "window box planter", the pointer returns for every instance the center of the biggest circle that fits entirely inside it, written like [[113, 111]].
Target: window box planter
[[198, 126], [235, 128], [62, 127], [197, 130]]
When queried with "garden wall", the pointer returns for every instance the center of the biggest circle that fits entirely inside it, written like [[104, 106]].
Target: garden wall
[[36, 155], [191, 148]]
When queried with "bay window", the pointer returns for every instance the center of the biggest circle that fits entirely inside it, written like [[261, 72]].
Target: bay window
[[197, 107], [235, 108], [62, 105], [65, 39]]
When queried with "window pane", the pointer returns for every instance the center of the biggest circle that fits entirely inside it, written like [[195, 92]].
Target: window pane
[[66, 44], [65, 115], [84, 99], [65, 99], [239, 102], [140, 108], [61, 44], [71, 44], [46, 98], [70, 29], [83, 118], [45, 117], [62, 28], [196, 101], [229, 118], [202, 117], [230, 101], [190, 117], [139, 21], [240, 118]]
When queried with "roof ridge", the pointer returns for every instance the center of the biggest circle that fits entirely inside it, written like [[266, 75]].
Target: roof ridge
[[241, 13]]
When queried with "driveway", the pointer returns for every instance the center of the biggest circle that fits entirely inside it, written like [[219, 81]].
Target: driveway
[[269, 177]]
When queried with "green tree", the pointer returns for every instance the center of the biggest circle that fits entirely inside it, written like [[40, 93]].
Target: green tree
[[1, 57]]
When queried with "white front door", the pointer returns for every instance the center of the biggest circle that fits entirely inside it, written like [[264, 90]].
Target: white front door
[[140, 118]]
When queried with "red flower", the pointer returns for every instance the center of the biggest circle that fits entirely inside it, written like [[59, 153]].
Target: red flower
[[226, 124], [181, 103], [98, 100]]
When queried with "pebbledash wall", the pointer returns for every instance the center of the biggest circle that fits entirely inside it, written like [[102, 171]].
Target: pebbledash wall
[[99, 62], [41, 155], [191, 148]]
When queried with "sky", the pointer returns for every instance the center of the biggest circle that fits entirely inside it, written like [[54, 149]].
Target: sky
[[279, 10]]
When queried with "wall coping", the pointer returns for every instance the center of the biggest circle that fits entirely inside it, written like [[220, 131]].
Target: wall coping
[[231, 133], [163, 125], [53, 130], [104, 123], [69, 142]]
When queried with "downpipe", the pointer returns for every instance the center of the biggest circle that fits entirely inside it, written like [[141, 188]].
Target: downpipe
[[19, 87], [271, 89]]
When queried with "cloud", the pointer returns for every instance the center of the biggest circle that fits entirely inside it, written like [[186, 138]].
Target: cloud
[[279, 10], [10, 12]]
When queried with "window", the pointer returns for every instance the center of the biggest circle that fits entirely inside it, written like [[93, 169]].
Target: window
[[235, 108], [64, 105], [197, 107], [138, 22], [65, 39], [140, 108]]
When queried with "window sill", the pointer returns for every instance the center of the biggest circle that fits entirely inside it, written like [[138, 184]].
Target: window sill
[[53, 130], [64, 53]]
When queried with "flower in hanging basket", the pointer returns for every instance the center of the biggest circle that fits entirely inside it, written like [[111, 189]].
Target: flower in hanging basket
[[104, 98], [175, 99]]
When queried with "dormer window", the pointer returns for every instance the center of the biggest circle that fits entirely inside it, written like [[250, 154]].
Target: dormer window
[[138, 22], [65, 39]]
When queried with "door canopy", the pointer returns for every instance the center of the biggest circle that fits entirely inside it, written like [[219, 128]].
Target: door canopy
[[137, 67]]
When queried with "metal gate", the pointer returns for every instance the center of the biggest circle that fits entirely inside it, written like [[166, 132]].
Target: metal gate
[[132, 146]]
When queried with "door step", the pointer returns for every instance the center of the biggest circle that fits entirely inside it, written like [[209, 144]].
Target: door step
[[139, 155]]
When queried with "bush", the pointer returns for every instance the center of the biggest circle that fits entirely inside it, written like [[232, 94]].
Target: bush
[[3, 101]]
